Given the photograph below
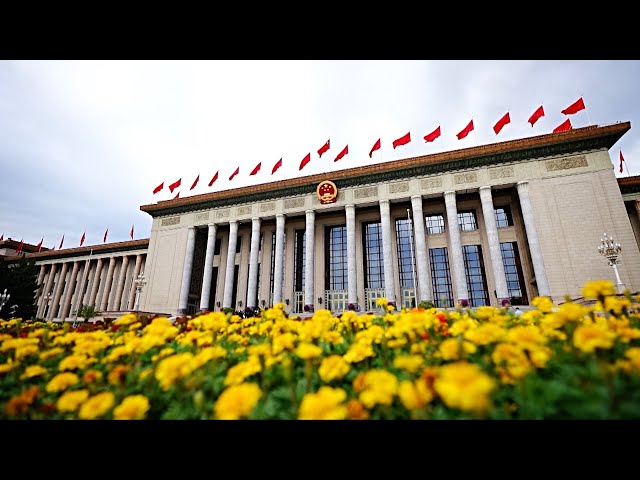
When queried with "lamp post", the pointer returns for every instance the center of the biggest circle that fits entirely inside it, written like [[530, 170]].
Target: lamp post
[[4, 298], [140, 282], [610, 250]]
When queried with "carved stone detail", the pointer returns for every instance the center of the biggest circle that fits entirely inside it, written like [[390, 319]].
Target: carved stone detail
[[170, 221], [222, 213], [399, 187], [566, 163], [246, 210], [294, 202], [470, 177], [431, 183], [365, 192], [501, 172], [202, 216], [268, 207]]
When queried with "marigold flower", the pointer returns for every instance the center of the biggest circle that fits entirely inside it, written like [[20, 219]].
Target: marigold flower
[[75, 362], [52, 352], [19, 404], [91, 376], [410, 363], [485, 334], [454, 349], [528, 337], [243, 370], [465, 386], [356, 411], [381, 302], [133, 407], [589, 337], [598, 288], [172, 368], [358, 351], [62, 381], [237, 401], [70, 401], [544, 304], [512, 362], [380, 387], [326, 404], [333, 367], [414, 395], [96, 406], [33, 371], [118, 374]]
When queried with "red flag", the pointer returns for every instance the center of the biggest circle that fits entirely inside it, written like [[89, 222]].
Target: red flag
[[323, 148], [575, 107], [131, 232], [563, 127], [105, 235], [256, 169], [465, 131], [175, 184], [621, 160], [195, 182], [305, 160], [344, 151], [501, 123], [158, 188], [376, 146], [536, 115], [39, 246], [276, 166], [403, 140], [61, 242], [82, 239], [19, 249], [215, 177], [433, 135], [177, 195], [234, 173]]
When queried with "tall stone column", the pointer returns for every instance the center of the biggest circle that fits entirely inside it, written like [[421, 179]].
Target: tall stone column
[[532, 236], [252, 287], [231, 263], [208, 268], [186, 271], [350, 212], [637, 205], [106, 291], [423, 292], [497, 265], [387, 251], [455, 252], [132, 292], [121, 281], [278, 263], [39, 294], [47, 290], [310, 223], [69, 291], [80, 291], [55, 304], [95, 284]]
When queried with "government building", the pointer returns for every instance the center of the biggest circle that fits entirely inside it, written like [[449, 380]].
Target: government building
[[477, 226]]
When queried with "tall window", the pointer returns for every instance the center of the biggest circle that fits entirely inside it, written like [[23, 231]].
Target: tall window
[[441, 277], [435, 223], [503, 216], [335, 276], [513, 273], [239, 245], [373, 259], [474, 271], [234, 292], [218, 244], [467, 220], [299, 260], [406, 256]]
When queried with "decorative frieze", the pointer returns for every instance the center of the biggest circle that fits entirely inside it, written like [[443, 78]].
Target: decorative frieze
[[399, 187], [426, 183], [501, 172], [200, 217], [268, 207], [246, 210], [365, 192], [170, 221], [222, 213], [469, 177], [566, 163], [294, 202]]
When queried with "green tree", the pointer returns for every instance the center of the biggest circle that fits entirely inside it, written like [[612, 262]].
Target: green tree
[[21, 281]]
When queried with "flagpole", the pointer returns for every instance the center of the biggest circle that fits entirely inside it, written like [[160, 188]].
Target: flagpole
[[625, 164], [588, 116]]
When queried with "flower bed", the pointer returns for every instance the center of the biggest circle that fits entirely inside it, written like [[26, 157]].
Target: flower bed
[[554, 362]]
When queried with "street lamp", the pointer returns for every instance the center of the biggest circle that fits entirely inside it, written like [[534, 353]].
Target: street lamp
[[140, 282], [4, 298], [610, 250]]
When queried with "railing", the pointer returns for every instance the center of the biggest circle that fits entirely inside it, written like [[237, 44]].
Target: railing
[[408, 297], [336, 300], [371, 296], [298, 302]]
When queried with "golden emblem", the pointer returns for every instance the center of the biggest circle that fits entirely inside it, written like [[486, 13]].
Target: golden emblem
[[327, 192]]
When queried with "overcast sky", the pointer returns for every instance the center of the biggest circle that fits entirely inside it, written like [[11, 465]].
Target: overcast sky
[[84, 143]]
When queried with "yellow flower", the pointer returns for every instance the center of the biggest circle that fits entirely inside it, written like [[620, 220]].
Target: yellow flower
[[133, 407], [326, 404], [462, 325], [62, 381], [7, 367], [172, 368], [25, 351], [53, 352], [414, 395], [334, 367], [511, 362], [243, 370], [73, 362], [127, 319], [633, 354], [454, 349], [358, 352], [91, 376], [356, 411], [33, 371], [376, 387], [284, 341], [598, 288], [118, 374], [528, 337], [70, 401], [544, 304], [410, 363], [485, 334], [237, 401], [589, 337], [381, 302], [96, 406], [465, 386]]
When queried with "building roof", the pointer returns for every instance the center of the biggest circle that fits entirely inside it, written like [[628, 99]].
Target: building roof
[[575, 140], [629, 184], [12, 244], [82, 251]]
